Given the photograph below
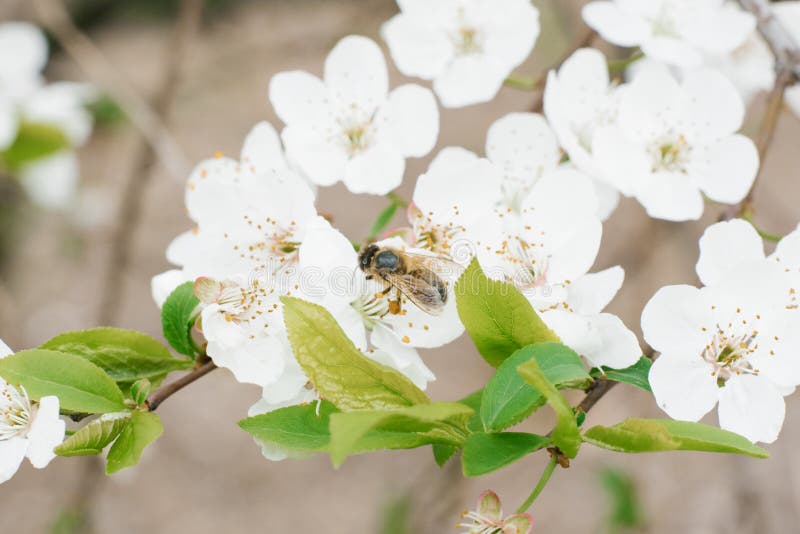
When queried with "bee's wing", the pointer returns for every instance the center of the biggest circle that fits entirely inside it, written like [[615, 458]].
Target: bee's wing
[[440, 265], [421, 290]]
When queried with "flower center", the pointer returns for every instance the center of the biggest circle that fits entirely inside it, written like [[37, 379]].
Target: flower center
[[278, 244], [670, 155], [357, 131], [252, 303], [468, 40], [15, 412], [372, 308], [432, 236], [727, 354]]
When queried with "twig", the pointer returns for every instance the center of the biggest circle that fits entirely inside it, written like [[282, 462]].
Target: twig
[[779, 39], [54, 16], [166, 391], [596, 392], [130, 213]]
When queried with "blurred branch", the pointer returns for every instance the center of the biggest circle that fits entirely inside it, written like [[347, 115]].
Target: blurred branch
[[779, 39], [164, 392], [54, 16], [130, 213]]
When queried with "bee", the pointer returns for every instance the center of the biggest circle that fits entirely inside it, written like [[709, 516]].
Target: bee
[[411, 275]]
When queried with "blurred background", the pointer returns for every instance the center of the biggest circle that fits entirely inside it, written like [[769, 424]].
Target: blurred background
[[60, 270]]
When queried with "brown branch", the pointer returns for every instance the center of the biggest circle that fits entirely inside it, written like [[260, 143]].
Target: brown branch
[[133, 193], [596, 392], [100, 70], [166, 391]]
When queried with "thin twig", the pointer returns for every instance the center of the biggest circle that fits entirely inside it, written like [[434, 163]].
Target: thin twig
[[596, 392], [166, 391], [132, 197], [779, 39], [100, 70]]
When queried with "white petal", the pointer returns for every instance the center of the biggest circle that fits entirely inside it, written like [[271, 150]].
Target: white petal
[[5, 350], [355, 73], [262, 149], [684, 388], [672, 319], [46, 432], [51, 182], [418, 329], [727, 169], [375, 171], [9, 121], [753, 407], [23, 48], [63, 105], [614, 25], [12, 452], [671, 196], [391, 351], [469, 80], [620, 161], [449, 158], [418, 48], [591, 293], [616, 346], [607, 199], [724, 246], [320, 158], [523, 145], [714, 106], [672, 51], [511, 33], [298, 97], [787, 253], [793, 98], [412, 120], [165, 283]]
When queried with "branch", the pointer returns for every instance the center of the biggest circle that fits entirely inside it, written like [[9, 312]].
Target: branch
[[54, 16], [164, 392], [780, 40]]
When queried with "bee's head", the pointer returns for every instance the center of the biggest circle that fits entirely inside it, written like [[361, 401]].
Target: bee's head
[[366, 256]]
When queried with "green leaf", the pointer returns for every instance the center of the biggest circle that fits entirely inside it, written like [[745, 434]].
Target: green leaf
[[404, 428], [144, 428], [635, 375], [125, 355], [34, 141], [177, 318], [338, 370], [625, 509], [140, 390], [383, 220], [80, 385], [566, 435], [484, 453], [499, 318], [654, 435], [442, 453], [106, 111], [297, 428], [508, 399], [95, 436]]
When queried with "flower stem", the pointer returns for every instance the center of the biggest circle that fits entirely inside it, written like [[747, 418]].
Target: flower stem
[[618, 65], [397, 199], [526, 83], [548, 471], [747, 215]]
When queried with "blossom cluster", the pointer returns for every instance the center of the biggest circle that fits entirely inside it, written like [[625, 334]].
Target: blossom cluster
[[28, 103]]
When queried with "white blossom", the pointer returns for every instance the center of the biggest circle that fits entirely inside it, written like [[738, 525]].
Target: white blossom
[[677, 32], [674, 142], [348, 127], [788, 14], [27, 429], [467, 47]]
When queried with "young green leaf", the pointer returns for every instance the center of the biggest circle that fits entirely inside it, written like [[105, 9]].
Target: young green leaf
[[95, 436], [499, 318], [34, 141], [125, 355], [142, 430], [383, 220], [635, 375], [654, 435], [297, 428], [338, 370], [566, 435], [177, 318], [442, 453], [484, 453], [403, 428], [80, 385], [508, 399], [140, 390]]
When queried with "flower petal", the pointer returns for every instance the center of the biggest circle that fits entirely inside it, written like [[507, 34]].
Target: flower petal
[[684, 388], [317, 155], [51, 182], [165, 283], [298, 97], [262, 149], [671, 196], [672, 319], [375, 171], [523, 145], [418, 47], [591, 293], [46, 432], [713, 105], [355, 73], [726, 169], [23, 49], [12, 452], [412, 120], [469, 80], [724, 246], [5, 350], [615, 25], [753, 407]]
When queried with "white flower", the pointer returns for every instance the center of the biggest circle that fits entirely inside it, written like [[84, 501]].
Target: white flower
[[348, 127], [467, 47], [728, 246], [734, 343], [580, 100], [788, 14], [674, 142], [677, 32], [26, 428], [751, 66]]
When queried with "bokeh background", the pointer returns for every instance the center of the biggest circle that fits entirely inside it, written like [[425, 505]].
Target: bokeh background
[[205, 475]]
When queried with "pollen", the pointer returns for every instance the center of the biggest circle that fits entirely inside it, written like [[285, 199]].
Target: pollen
[[406, 339]]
